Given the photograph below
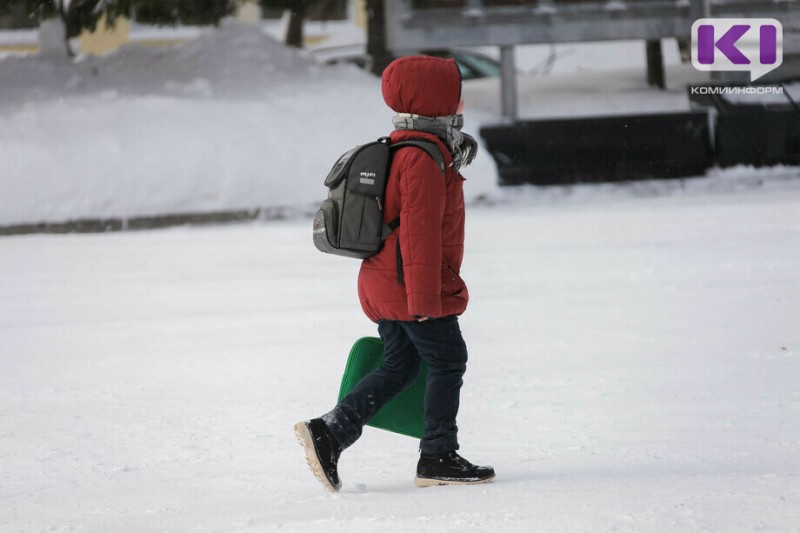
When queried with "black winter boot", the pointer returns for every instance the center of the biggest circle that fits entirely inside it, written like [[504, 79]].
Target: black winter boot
[[450, 469], [322, 451]]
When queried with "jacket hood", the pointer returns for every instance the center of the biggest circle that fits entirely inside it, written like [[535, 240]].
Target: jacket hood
[[423, 85]]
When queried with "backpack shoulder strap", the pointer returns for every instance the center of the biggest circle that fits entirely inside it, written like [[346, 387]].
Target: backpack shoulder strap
[[432, 150], [428, 146]]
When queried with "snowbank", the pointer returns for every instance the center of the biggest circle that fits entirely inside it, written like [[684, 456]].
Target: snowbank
[[230, 121], [235, 121], [233, 61]]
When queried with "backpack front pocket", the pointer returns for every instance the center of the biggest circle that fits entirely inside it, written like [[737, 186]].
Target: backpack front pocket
[[326, 224]]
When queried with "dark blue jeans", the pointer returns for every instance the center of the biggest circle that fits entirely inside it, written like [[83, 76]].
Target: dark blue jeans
[[439, 342]]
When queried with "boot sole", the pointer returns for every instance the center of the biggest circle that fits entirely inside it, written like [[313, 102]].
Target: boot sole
[[307, 442], [429, 482]]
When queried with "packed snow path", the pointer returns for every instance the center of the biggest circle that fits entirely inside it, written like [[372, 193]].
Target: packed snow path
[[634, 367]]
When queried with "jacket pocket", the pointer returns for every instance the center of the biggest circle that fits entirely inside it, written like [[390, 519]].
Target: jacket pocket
[[452, 284]]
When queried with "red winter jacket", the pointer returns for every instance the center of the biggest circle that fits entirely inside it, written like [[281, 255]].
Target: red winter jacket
[[430, 205]]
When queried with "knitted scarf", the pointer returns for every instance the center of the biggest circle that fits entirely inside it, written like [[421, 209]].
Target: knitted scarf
[[447, 128]]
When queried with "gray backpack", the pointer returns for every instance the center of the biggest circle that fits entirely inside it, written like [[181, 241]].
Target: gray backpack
[[350, 222]]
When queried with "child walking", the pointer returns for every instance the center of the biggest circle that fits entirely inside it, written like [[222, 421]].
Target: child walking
[[412, 288]]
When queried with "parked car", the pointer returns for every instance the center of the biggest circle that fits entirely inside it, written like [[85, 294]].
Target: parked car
[[473, 64]]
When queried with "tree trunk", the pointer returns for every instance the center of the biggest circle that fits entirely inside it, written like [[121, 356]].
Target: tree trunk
[[655, 64], [294, 35], [64, 15], [376, 36]]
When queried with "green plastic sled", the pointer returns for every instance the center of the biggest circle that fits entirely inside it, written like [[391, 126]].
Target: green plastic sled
[[402, 414]]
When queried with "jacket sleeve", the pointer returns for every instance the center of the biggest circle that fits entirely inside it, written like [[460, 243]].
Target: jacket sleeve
[[422, 203]]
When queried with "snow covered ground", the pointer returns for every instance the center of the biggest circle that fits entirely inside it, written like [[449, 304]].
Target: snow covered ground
[[634, 362]]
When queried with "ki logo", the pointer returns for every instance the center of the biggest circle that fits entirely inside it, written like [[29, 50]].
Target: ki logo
[[737, 44]]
